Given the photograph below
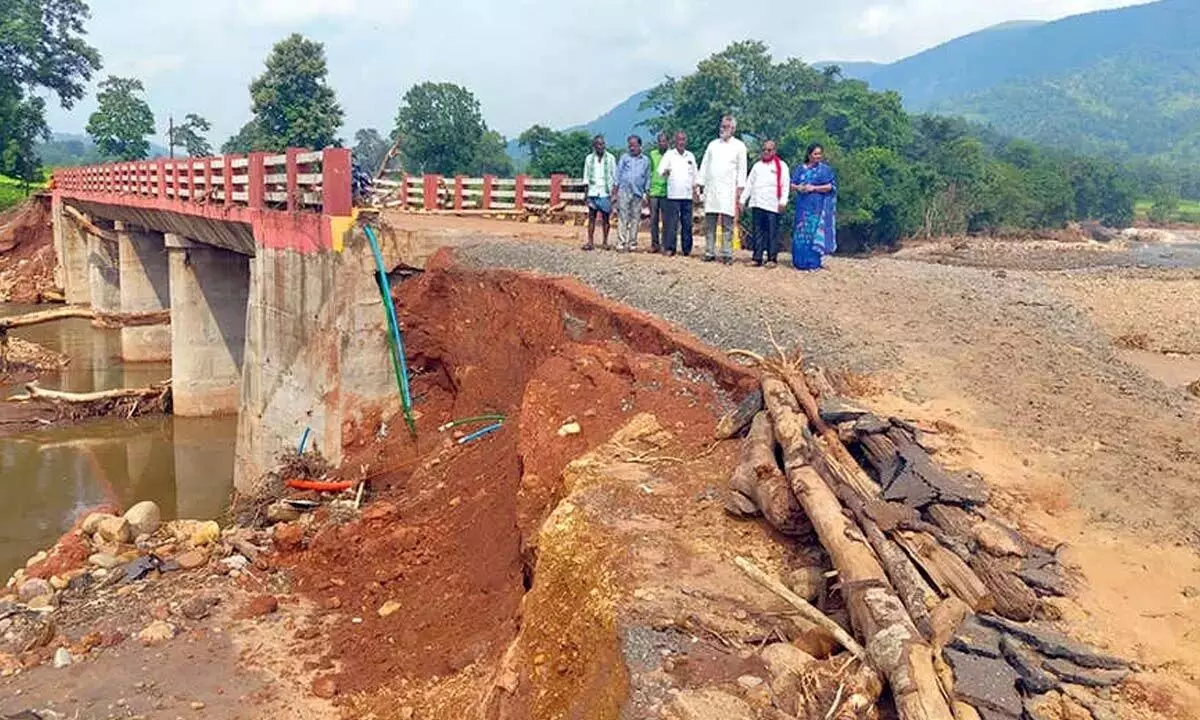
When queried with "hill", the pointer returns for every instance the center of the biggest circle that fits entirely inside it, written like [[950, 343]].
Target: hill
[[73, 149]]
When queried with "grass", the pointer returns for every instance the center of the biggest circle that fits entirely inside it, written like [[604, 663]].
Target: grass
[[13, 192], [1189, 211]]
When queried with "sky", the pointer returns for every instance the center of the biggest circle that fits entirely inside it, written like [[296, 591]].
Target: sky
[[551, 62]]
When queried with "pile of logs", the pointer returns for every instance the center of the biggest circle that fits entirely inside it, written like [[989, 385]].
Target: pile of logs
[[940, 592]]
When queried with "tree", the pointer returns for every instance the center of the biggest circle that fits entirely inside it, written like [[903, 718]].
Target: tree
[[440, 127], [555, 152], [293, 104], [491, 156], [188, 136], [123, 121], [41, 47], [1164, 204], [248, 139], [370, 148], [535, 140]]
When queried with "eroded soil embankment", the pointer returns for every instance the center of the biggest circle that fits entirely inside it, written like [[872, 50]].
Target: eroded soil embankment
[[26, 252], [436, 569]]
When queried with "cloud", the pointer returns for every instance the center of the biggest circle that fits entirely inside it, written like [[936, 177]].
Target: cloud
[[291, 12], [877, 20]]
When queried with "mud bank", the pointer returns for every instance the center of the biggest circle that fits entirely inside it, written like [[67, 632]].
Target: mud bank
[[27, 258]]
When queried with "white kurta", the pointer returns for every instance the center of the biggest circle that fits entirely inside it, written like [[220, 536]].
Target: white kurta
[[722, 175]]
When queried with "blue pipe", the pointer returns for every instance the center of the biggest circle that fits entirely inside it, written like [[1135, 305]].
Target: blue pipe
[[303, 441], [480, 433], [397, 340]]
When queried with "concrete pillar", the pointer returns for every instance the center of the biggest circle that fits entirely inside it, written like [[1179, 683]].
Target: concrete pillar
[[145, 287], [70, 246], [209, 292], [104, 274]]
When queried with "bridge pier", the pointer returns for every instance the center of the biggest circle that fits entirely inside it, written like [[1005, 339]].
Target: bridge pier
[[145, 288], [209, 289], [104, 274], [70, 245]]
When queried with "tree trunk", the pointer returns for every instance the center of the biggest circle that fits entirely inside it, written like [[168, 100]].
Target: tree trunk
[[947, 570], [759, 479]]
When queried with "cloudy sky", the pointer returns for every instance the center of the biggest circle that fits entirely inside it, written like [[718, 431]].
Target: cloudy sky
[[555, 62]]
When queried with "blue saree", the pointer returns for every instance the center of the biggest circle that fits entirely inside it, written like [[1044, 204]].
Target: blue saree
[[815, 234]]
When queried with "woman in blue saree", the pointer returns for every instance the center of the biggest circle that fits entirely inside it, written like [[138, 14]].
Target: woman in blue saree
[[815, 234]]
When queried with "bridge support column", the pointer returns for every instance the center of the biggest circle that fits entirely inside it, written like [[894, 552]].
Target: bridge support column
[[209, 289], [104, 274], [70, 247], [145, 288]]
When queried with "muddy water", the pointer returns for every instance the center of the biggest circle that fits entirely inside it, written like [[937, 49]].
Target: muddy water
[[47, 477]]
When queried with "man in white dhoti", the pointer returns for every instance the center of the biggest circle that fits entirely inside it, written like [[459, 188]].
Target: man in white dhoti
[[723, 177]]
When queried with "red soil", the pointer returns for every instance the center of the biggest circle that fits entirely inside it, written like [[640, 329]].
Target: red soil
[[445, 549], [26, 252]]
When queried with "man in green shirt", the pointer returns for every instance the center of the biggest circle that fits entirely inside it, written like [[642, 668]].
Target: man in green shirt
[[658, 192]]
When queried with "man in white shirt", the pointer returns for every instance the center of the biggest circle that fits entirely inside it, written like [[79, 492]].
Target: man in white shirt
[[723, 176], [766, 195], [678, 166], [600, 176]]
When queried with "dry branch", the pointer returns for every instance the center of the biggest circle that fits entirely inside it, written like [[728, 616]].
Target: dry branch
[[34, 392], [39, 317], [90, 226]]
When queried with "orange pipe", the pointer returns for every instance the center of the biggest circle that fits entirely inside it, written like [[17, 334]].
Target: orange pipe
[[320, 486]]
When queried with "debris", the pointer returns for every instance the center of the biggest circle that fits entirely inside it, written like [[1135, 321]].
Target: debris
[[1047, 580], [114, 530], [34, 588], [288, 536], [758, 479], [749, 682], [156, 632], [1055, 645], [736, 421], [192, 559], [1033, 679], [1013, 599], [1088, 677], [198, 607], [984, 682], [235, 562], [388, 608], [571, 428], [141, 567], [206, 533], [144, 518], [260, 606], [104, 560], [480, 433], [91, 523], [62, 658], [997, 540], [976, 638], [709, 705], [281, 512], [325, 687]]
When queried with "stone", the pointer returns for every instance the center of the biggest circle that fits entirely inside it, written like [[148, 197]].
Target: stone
[[104, 560], [114, 530], [144, 518], [325, 687], [91, 524], [871, 425], [976, 639], [58, 582], [281, 512], [260, 606], [1046, 706], [288, 536], [196, 705], [571, 428], [34, 588], [807, 582], [192, 559], [986, 683], [709, 705], [785, 659], [236, 562], [749, 682], [997, 540], [389, 608], [206, 533], [1054, 644], [1033, 679], [41, 602], [140, 567], [1088, 677], [37, 559], [156, 632], [62, 658]]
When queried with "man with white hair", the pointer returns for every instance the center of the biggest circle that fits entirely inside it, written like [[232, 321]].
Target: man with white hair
[[723, 177]]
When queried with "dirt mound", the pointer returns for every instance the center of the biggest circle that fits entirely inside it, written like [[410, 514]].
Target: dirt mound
[[430, 580], [27, 258]]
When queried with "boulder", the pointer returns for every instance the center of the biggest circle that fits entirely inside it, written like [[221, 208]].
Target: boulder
[[144, 518], [34, 588], [709, 704], [785, 659], [104, 560], [92, 522], [156, 632], [114, 530]]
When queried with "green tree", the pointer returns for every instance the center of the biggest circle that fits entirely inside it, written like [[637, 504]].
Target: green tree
[[1164, 204], [440, 126], [247, 139], [491, 156], [293, 104], [41, 49], [123, 121], [370, 148], [553, 152], [190, 136], [535, 140]]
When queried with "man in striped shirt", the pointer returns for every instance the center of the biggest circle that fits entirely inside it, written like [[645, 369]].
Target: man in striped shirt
[[600, 176]]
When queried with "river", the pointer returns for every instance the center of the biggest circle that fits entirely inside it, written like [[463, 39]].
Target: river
[[48, 477]]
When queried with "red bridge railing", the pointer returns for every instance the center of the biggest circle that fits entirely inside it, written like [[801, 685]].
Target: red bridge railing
[[294, 181]]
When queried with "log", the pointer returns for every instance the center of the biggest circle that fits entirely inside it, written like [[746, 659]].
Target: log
[[39, 317], [882, 455], [892, 642], [948, 572], [758, 479], [1013, 598], [955, 522], [34, 392], [807, 611], [90, 226]]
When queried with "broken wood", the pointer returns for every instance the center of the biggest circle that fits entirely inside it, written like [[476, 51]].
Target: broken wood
[[955, 522], [895, 646], [39, 317], [948, 572], [34, 392], [736, 421], [90, 226], [1013, 598], [806, 610], [757, 478]]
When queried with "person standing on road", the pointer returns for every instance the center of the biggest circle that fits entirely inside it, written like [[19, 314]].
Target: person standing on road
[[723, 176], [815, 233], [658, 191], [678, 166], [766, 195], [599, 174], [633, 180]]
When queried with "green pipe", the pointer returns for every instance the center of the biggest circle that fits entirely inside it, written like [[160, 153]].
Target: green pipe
[[395, 340], [492, 417]]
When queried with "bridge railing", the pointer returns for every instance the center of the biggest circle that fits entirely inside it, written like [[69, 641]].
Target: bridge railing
[[293, 181], [434, 193]]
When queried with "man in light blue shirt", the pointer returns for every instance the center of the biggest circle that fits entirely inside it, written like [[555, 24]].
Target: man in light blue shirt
[[633, 181]]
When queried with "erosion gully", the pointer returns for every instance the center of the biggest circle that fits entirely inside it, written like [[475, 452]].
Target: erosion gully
[[50, 475]]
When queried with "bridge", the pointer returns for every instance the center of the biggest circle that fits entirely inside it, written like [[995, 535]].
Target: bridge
[[271, 295]]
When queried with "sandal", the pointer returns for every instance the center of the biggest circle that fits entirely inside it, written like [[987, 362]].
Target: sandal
[[587, 247]]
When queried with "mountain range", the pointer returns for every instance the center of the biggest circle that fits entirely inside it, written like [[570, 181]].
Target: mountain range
[[1123, 81]]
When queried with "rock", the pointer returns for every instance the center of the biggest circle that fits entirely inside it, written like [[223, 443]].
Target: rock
[[1055, 645], [785, 659], [236, 562], [62, 658], [984, 682], [38, 558], [192, 559], [58, 582], [325, 687], [91, 524], [1033, 679], [156, 632], [749, 682], [114, 530], [144, 518], [281, 512], [260, 606], [34, 588], [997, 540], [206, 533], [1046, 706], [196, 705], [835, 411], [807, 582], [389, 608], [288, 536], [41, 602], [871, 425], [709, 705], [1088, 677], [571, 428], [104, 560], [198, 607], [976, 639], [1045, 580]]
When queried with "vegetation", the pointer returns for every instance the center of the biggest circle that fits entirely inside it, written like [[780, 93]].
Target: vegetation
[[13, 191], [552, 152], [123, 121], [370, 148], [292, 102], [441, 130], [190, 136]]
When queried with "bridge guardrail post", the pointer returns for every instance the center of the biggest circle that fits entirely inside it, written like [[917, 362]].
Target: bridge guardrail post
[[227, 178], [489, 181], [292, 171], [256, 187], [458, 192], [556, 186], [431, 192], [519, 191], [337, 195]]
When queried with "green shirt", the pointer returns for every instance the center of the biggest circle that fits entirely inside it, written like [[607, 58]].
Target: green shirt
[[658, 183]]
